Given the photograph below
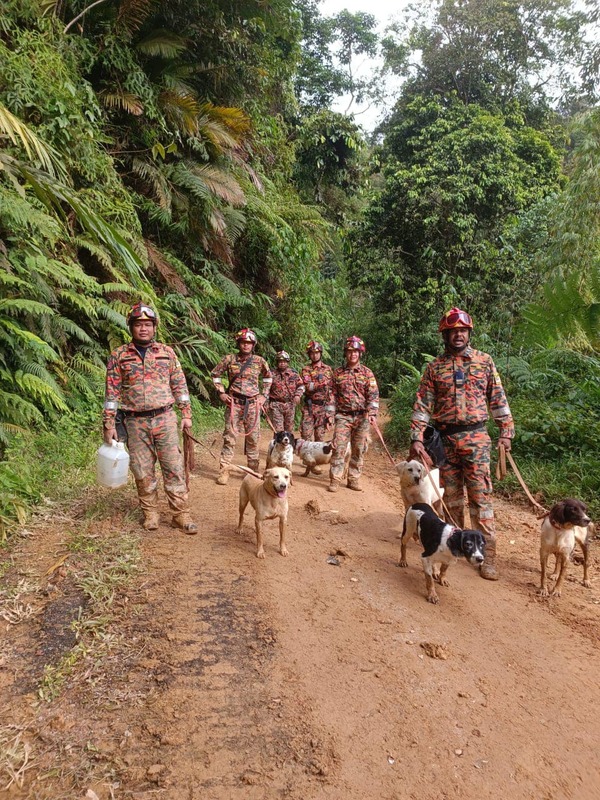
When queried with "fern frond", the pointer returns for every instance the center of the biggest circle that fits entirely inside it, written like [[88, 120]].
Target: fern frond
[[165, 269], [162, 43], [181, 110], [132, 14], [123, 100]]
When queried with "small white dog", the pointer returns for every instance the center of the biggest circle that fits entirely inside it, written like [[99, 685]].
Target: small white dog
[[416, 487]]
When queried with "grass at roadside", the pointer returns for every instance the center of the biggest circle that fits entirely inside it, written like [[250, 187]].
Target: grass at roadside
[[59, 462]]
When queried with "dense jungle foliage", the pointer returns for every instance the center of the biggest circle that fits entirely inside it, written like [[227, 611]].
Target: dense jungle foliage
[[189, 154]]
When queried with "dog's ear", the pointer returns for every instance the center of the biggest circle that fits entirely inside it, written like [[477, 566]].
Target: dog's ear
[[401, 467], [557, 513]]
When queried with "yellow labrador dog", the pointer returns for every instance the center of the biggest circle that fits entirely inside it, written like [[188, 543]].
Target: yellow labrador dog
[[268, 498], [416, 487]]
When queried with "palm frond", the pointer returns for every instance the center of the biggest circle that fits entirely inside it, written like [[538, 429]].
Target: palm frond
[[18, 132]]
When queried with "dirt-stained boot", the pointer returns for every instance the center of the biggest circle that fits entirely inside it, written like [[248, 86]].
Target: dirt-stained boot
[[254, 465], [223, 474], [317, 471], [488, 569], [334, 485], [149, 506], [354, 485], [185, 523]]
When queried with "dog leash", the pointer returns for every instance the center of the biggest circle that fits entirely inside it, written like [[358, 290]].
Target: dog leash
[[449, 516], [248, 470], [501, 472], [189, 455], [268, 418], [378, 432]]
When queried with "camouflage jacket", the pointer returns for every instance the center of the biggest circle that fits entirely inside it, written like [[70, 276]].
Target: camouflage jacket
[[136, 384], [243, 375], [287, 386], [318, 382], [355, 389], [445, 402]]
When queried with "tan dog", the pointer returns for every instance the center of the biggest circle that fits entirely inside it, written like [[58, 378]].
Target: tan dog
[[565, 525], [416, 487], [269, 500]]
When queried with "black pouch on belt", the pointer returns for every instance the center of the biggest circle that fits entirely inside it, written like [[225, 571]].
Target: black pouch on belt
[[434, 446], [120, 426]]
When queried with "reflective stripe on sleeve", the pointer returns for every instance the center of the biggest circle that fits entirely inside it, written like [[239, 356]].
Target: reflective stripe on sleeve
[[111, 405], [421, 416], [184, 398], [503, 411], [217, 382]]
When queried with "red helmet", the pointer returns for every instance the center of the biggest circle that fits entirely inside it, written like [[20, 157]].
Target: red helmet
[[282, 356], [312, 345], [246, 335], [354, 343], [455, 318], [142, 311]]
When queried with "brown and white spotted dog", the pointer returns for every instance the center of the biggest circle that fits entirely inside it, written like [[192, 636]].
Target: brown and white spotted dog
[[566, 525]]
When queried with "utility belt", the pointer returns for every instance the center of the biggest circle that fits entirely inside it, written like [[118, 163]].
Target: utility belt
[[241, 399], [153, 412], [354, 413], [450, 430], [277, 400], [317, 402]]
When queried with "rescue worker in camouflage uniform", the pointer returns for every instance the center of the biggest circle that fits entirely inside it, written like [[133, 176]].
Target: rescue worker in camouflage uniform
[[454, 394], [357, 405], [319, 405], [286, 392], [243, 399], [144, 379]]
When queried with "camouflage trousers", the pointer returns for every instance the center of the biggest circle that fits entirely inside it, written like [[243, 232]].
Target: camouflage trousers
[[354, 429], [315, 423], [151, 439], [468, 465], [282, 415], [243, 418]]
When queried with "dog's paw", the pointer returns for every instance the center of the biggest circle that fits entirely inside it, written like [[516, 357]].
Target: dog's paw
[[284, 551], [433, 598], [543, 592], [260, 553], [403, 563], [555, 593], [587, 584], [239, 531], [441, 581]]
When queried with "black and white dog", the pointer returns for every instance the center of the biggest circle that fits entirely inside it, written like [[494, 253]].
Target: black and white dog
[[441, 544], [281, 450], [313, 454]]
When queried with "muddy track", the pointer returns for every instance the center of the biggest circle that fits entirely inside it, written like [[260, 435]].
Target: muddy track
[[229, 677]]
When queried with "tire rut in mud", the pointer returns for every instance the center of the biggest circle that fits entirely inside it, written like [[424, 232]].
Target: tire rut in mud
[[214, 725]]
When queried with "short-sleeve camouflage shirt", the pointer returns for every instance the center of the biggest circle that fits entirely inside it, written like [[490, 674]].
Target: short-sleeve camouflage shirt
[[287, 385], [318, 382]]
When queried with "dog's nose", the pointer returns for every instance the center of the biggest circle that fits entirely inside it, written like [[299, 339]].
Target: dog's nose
[[479, 559]]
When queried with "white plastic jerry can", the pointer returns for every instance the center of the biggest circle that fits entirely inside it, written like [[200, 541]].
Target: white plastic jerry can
[[112, 465]]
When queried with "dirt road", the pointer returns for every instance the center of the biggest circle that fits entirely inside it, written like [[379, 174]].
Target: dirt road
[[234, 678]]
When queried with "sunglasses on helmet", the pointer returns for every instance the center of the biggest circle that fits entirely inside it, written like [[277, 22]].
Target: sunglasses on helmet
[[453, 318], [143, 311]]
